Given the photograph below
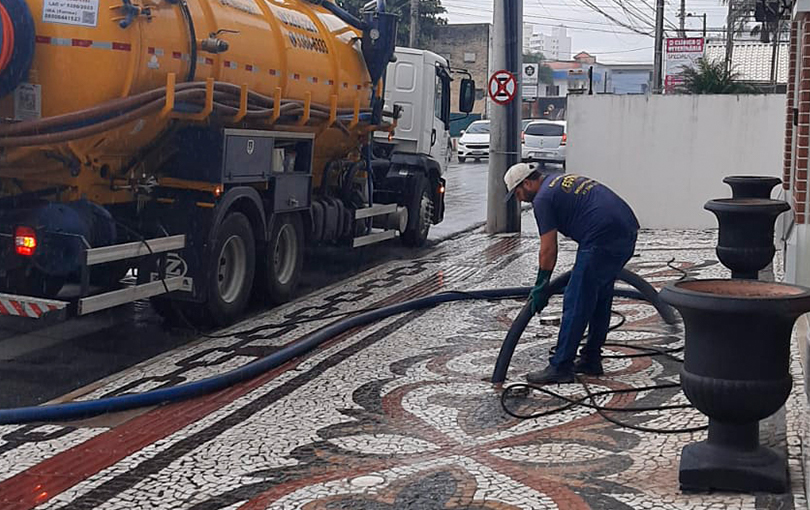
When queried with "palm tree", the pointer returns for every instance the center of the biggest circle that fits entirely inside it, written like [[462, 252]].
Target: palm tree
[[707, 77]]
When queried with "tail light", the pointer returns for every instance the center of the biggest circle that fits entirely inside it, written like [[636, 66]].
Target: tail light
[[522, 137], [25, 241], [564, 139]]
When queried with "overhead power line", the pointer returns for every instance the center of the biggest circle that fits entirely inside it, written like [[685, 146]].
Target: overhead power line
[[652, 10], [469, 11], [478, 15], [596, 8], [646, 48]]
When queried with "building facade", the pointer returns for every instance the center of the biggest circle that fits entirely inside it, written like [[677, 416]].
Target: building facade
[[528, 31], [628, 78], [556, 46], [753, 60], [578, 76], [466, 46]]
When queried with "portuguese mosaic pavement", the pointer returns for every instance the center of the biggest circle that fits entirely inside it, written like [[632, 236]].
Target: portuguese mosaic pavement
[[398, 414]]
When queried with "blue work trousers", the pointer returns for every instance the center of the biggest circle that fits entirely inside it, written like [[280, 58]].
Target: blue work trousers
[[588, 299]]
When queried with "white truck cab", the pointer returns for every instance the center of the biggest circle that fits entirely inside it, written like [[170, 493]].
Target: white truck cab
[[419, 83]]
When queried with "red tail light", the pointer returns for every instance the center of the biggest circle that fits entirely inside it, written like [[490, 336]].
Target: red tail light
[[522, 137], [564, 139], [25, 241]]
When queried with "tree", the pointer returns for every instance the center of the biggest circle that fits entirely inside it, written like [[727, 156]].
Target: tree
[[742, 11], [429, 17], [707, 77], [545, 74]]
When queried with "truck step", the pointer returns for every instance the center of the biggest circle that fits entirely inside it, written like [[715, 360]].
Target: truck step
[[376, 237], [375, 210], [31, 307], [127, 295]]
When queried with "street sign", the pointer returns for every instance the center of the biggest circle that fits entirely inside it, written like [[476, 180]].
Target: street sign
[[502, 87], [681, 52], [529, 92], [530, 72], [529, 84]]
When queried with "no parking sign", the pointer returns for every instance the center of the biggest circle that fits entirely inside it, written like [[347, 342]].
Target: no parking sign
[[502, 87]]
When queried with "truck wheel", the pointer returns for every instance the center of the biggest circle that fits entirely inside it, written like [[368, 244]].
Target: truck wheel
[[231, 269], [281, 267], [420, 211]]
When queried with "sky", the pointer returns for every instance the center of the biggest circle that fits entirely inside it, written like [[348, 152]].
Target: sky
[[593, 32]]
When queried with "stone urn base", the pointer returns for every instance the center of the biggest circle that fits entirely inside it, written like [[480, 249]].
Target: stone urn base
[[736, 372], [740, 465]]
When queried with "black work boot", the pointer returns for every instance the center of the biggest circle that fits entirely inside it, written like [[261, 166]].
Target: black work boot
[[589, 367], [549, 375]]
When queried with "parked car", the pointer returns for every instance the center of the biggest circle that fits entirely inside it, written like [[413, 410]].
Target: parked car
[[544, 141], [474, 142]]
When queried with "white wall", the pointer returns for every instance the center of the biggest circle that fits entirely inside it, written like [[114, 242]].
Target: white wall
[[667, 155]]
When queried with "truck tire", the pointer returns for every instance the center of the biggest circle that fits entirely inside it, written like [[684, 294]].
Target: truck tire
[[281, 266], [420, 211], [231, 269]]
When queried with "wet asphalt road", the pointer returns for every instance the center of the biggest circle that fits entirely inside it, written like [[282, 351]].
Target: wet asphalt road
[[40, 362]]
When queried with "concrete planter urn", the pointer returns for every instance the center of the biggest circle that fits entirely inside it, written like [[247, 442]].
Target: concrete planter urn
[[751, 186], [736, 371], [745, 243]]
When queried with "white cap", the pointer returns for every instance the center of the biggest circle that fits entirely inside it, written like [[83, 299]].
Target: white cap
[[516, 174]]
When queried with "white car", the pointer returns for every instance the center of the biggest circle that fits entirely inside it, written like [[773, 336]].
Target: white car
[[544, 141], [474, 142]]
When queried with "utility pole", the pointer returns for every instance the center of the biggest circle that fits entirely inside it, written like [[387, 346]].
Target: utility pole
[[682, 16], [504, 132], [729, 35], [659, 46], [775, 53], [413, 39]]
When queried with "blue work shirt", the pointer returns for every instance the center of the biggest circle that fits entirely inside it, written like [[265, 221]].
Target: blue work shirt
[[582, 209]]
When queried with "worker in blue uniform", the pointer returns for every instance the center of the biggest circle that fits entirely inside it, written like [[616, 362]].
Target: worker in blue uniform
[[605, 228]]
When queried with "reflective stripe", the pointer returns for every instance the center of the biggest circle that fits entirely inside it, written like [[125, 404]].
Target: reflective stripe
[[84, 43]]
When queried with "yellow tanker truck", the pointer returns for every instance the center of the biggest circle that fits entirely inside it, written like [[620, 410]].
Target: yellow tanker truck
[[198, 145]]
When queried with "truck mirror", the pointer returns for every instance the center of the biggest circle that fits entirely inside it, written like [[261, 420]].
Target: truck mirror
[[466, 97]]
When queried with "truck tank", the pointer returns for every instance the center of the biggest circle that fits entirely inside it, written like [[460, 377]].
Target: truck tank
[[85, 84]]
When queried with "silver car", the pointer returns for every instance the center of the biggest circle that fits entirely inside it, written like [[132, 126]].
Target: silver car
[[544, 141]]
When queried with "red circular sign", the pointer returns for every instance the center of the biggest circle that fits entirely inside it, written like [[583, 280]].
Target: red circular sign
[[502, 87]]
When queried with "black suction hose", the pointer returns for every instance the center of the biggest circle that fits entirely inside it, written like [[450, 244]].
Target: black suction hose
[[644, 291], [82, 409], [192, 41]]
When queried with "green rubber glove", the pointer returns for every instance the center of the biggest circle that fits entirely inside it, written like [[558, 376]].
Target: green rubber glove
[[538, 295]]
